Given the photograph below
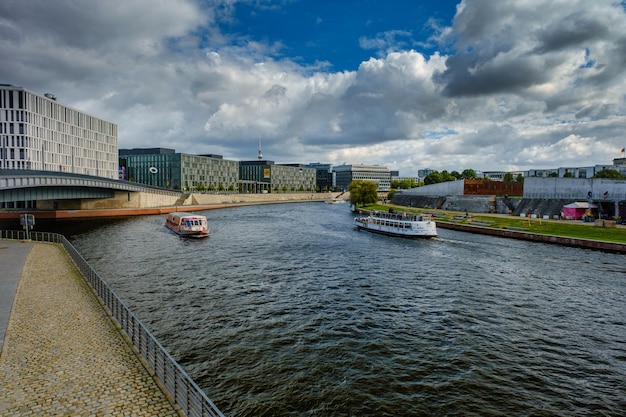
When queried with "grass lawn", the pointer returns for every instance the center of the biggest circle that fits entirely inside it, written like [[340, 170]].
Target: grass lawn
[[547, 227]]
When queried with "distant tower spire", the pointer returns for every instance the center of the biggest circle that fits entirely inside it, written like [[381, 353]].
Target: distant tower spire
[[260, 153]]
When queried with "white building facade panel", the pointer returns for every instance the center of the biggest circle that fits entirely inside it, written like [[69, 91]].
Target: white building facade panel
[[38, 133]]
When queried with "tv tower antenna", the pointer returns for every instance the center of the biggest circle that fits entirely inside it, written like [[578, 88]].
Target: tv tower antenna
[[260, 153]]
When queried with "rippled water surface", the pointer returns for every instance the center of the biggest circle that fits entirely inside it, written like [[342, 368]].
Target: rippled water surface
[[287, 311]]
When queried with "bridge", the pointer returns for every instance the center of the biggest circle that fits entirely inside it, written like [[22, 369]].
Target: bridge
[[46, 190]]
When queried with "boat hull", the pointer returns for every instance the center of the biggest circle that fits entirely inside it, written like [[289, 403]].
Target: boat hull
[[427, 234], [186, 233]]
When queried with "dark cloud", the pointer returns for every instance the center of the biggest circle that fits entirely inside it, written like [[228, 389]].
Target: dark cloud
[[574, 31], [509, 47], [470, 74]]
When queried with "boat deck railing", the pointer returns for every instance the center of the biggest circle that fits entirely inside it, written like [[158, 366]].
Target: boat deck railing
[[185, 392], [399, 216]]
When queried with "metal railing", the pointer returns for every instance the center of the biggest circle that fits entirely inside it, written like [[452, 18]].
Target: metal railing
[[185, 392]]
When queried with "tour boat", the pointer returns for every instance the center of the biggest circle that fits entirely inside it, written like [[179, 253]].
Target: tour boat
[[336, 200], [187, 224], [397, 224]]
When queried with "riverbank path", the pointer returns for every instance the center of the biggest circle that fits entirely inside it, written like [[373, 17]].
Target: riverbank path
[[61, 353]]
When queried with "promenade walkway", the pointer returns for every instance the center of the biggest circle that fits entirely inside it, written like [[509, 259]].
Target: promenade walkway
[[61, 354]]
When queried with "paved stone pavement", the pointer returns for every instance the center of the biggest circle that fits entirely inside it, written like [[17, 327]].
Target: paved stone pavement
[[62, 355], [12, 258]]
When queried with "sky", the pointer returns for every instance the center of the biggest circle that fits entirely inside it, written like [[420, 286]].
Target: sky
[[489, 85]]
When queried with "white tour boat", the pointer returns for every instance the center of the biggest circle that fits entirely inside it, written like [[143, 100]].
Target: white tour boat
[[397, 224], [187, 224], [336, 200]]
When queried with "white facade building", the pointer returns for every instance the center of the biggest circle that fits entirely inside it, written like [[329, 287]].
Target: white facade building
[[38, 133], [379, 174]]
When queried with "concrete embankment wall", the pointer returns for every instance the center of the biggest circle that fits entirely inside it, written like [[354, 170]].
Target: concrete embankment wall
[[211, 199], [536, 237], [120, 200], [473, 204], [155, 204], [153, 200], [485, 204], [541, 206]]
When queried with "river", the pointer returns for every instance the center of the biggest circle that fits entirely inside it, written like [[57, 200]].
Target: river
[[285, 310]]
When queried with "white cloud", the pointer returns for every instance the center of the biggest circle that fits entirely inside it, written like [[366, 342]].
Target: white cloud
[[529, 85]]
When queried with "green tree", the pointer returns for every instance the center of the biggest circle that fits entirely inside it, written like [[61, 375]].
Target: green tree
[[608, 173], [409, 183], [404, 184], [363, 192], [200, 187], [446, 176], [456, 175], [508, 177], [469, 174], [568, 175], [433, 178], [553, 174], [391, 193], [519, 178]]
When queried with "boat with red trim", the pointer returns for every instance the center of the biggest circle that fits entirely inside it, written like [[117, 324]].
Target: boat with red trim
[[187, 224]]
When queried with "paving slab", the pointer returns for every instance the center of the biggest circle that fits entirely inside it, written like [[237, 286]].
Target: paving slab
[[12, 259]]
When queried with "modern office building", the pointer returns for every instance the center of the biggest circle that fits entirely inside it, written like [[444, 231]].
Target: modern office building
[[324, 176], [262, 176], [165, 168], [162, 167], [37, 133], [379, 174], [423, 173]]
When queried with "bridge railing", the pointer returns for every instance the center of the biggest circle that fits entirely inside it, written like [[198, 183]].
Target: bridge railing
[[185, 392]]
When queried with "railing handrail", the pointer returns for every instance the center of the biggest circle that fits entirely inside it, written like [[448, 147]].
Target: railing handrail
[[185, 392]]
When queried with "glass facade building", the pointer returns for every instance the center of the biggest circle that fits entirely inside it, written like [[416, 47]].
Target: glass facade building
[[162, 167], [267, 177], [324, 177]]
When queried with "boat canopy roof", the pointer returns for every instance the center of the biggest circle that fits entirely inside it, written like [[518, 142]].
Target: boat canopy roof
[[185, 214]]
